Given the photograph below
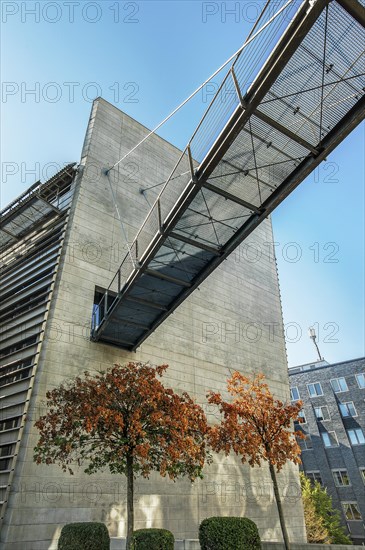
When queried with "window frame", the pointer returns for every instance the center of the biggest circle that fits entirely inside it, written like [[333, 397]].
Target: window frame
[[355, 430], [340, 471], [304, 443], [362, 474], [351, 502], [336, 380], [296, 388], [322, 419], [362, 374], [313, 472], [345, 404], [314, 384], [327, 433]]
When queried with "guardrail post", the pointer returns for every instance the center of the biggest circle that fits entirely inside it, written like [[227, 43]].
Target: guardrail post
[[238, 89], [159, 215], [193, 176]]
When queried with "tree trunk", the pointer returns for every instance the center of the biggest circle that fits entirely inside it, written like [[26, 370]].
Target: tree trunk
[[280, 509], [130, 503]]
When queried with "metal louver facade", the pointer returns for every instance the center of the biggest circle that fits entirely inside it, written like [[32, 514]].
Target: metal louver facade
[[32, 233]]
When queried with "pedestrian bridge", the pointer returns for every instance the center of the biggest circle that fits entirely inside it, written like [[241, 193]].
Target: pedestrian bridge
[[296, 90]]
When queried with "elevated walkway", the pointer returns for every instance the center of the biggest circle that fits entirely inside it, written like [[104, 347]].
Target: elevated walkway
[[290, 97]]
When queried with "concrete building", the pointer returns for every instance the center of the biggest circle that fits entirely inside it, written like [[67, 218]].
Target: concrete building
[[62, 243], [333, 412]]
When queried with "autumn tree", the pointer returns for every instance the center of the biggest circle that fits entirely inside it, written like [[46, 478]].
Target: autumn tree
[[322, 521], [126, 420], [257, 428]]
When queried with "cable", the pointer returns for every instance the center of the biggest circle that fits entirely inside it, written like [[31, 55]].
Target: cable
[[121, 222]]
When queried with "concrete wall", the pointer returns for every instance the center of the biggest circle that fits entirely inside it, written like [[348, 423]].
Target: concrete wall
[[240, 292]]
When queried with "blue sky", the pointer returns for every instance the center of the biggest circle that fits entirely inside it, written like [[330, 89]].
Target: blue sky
[[146, 57]]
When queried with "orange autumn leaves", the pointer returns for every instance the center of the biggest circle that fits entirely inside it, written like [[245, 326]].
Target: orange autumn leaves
[[254, 425], [127, 412]]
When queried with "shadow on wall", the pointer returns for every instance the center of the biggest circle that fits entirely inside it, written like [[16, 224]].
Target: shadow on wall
[[228, 489]]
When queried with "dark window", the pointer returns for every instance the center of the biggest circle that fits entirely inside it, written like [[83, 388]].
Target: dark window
[[322, 413], [314, 476], [341, 478]]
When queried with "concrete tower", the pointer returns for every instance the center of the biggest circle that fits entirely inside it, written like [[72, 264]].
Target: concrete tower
[[63, 242]]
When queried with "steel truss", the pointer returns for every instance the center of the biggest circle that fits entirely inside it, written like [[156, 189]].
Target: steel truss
[[249, 152]]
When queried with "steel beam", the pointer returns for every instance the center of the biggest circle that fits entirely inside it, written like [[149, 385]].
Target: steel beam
[[168, 278], [130, 323], [119, 343], [355, 9], [268, 144], [146, 303], [231, 197], [288, 133], [196, 244], [246, 173]]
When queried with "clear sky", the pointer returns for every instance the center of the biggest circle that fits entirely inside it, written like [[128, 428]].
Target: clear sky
[[146, 57]]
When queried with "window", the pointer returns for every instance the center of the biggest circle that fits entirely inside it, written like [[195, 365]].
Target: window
[[10, 423], [329, 439], [314, 476], [339, 385], [351, 511], [5, 464], [347, 409], [361, 380], [6, 450], [301, 417], [322, 413], [305, 444], [315, 389], [356, 436], [341, 478], [362, 474], [294, 393]]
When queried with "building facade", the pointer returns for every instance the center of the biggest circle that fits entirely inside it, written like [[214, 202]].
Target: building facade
[[62, 243], [333, 418]]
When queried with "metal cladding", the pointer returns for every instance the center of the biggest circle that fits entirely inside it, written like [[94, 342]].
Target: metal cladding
[[32, 234], [33, 207]]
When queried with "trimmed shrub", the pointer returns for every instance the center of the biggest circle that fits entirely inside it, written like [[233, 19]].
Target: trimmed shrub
[[153, 539], [84, 536], [229, 533]]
